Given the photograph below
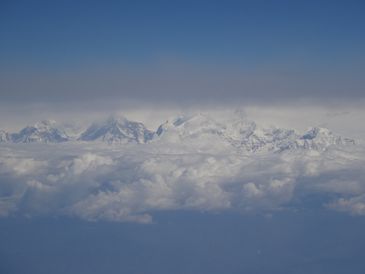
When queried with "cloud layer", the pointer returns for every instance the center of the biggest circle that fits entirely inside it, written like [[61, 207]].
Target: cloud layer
[[129, 183]]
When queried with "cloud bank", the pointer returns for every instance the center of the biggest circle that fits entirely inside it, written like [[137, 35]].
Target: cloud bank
[[129, 183]]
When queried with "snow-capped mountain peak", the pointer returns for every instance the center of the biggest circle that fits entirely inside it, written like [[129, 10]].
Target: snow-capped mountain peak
[[244, 135], [190, 126], [320, 138], [199, 132], [117, 129], [44, 131], [45, 124]]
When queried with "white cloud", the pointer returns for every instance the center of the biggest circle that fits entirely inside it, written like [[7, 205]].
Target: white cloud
[[354, 206], [20, 166], [127, 183], [89, 161]]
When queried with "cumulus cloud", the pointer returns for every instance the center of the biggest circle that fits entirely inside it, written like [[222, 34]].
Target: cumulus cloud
[[354, 205], [129, 183]]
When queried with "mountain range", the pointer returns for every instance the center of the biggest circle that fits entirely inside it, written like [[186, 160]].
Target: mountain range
[[196, 130]]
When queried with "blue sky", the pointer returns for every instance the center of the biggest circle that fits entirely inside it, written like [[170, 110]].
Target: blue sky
[[41, 32], [239, 49]]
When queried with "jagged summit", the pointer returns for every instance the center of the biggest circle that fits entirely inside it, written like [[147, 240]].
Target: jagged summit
[[245, 135], [194, 128], [117, 130], [320, 138], [199, 132], [44, 131]]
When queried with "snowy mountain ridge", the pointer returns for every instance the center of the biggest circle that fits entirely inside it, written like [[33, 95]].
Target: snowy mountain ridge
[[246, 135], [198, 130]]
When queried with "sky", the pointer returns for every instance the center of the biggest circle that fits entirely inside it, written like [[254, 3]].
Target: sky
[[80, 60], [185, 52]]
